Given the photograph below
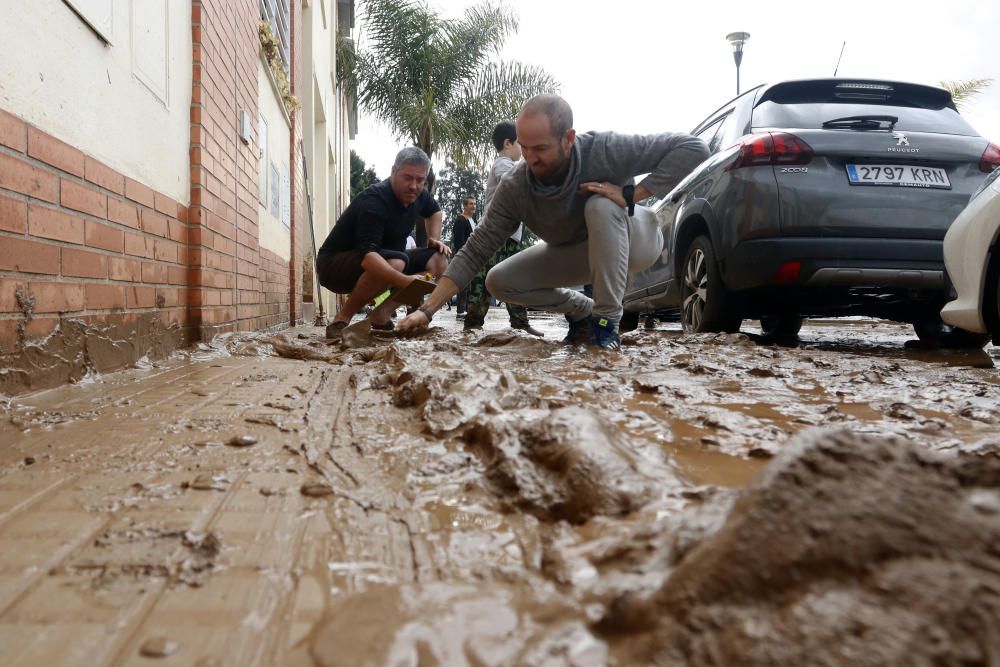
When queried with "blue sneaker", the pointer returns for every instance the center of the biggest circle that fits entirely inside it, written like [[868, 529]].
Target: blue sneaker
[[604, 334], [578, 331]]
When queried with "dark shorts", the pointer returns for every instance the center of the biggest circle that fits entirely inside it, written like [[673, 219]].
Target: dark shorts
[[339, 271]]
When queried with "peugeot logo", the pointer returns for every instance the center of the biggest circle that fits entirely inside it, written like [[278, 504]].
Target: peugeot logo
[[901, 139]]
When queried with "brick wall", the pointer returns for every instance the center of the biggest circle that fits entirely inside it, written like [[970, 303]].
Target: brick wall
[[235, 285], [118, 270], [81, 242]]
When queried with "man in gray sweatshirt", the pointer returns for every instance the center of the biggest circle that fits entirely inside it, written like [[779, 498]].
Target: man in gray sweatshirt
[[574, 192]]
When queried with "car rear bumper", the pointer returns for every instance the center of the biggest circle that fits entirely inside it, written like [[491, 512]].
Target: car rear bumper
[[913, 264]]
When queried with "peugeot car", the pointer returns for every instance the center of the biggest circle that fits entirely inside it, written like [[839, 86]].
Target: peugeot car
[[972, 255], [824, 197]]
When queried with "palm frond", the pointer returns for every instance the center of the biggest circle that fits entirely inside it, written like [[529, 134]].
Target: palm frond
[[963, 91], [436, 82]]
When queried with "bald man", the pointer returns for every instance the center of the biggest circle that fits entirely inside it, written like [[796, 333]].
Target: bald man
[[573, 191]]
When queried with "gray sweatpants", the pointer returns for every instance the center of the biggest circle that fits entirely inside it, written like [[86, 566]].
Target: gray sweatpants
[[616, 245]]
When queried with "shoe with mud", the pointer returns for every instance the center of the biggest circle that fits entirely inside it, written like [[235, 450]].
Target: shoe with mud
[[527, 328], [579, 331], [388, 326], [604, 335], [335, 329]]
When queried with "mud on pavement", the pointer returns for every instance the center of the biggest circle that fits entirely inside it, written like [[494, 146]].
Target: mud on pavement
[[495, 499]]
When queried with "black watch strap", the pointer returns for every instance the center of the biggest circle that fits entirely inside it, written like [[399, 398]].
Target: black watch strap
[[628, 192], [427, 313]]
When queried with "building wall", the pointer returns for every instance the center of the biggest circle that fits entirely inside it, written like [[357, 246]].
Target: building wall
[[236, 284], [94, 187], [274, 130], [112, 247], [124, 103]]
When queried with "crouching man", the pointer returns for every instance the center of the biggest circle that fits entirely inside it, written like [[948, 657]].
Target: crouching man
[[574, 191], [365, 253]]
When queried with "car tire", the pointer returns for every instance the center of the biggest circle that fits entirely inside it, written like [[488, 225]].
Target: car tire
[[780, 326], [935, 333], [706, 304], [629, 322]]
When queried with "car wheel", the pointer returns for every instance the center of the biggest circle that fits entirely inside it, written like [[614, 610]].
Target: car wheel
[[936, 333], [629, 322], [706, 304], [780, 326]]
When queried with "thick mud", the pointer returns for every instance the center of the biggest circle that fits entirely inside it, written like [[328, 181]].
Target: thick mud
[[76, 349], [497, 499]]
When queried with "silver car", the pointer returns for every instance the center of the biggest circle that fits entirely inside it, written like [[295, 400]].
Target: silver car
[[825, 197]]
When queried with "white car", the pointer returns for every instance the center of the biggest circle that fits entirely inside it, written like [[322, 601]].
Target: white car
[[972, 257]]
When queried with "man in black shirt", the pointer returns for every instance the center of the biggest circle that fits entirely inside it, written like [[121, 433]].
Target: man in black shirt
[[461, 230], [365, 252]]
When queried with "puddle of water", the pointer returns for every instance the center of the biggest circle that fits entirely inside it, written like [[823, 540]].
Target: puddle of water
[[862, 411]]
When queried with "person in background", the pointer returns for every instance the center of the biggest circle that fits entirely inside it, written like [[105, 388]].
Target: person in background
[[461, 229], [508, 153]]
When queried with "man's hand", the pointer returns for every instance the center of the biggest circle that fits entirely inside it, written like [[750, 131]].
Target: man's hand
[[440, 246], [412, 323], [612, 191], [609, 190]]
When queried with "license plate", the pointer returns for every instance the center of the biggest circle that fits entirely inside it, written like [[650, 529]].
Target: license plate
[[894, 174]]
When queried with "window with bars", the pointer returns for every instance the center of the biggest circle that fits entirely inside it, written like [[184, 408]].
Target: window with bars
[[275, 12]]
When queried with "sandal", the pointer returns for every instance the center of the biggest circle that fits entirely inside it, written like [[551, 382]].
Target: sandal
[[335, 329]]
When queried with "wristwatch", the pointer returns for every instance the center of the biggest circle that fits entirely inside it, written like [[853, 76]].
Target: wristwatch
[[427, 313], [628, 191]]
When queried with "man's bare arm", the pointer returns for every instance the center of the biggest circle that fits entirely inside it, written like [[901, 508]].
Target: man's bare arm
[[433, 227], [376, 266], [446, 288]]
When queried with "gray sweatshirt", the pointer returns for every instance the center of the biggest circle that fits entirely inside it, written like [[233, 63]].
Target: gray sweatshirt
[[501, 167], [555, 213]]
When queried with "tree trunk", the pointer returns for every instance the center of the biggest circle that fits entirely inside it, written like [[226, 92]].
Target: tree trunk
[[420, 233]]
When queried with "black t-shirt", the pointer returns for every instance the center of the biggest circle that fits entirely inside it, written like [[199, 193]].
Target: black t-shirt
[[376, 220], [461, 230]]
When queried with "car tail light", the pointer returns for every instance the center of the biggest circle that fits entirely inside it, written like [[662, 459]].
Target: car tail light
[[990, 159], [772, 148], [788, 273]]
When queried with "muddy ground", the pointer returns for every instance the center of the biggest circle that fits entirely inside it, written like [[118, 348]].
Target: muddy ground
[[496, 499]]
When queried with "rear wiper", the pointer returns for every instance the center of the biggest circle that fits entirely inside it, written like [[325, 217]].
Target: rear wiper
[[862, 123]]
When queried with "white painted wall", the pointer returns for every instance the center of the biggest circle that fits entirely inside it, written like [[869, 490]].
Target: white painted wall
[[273, 234], [126, 103]]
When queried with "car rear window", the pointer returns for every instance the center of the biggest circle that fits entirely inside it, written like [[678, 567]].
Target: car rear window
[[809, 104]]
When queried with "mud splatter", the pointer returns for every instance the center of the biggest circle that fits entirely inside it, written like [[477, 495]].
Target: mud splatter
[[455, 624], [75, 348], [158, 647], [563, 465]]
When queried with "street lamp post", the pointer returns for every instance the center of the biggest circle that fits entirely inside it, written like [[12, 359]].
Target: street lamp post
[[737, 40]]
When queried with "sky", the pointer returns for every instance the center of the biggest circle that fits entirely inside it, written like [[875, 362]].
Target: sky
[[646, 66]]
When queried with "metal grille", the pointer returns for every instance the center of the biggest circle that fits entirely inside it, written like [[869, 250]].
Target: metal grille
[[275, 12]]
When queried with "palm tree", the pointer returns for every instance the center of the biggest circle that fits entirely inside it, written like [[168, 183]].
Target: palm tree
[[436, 82], [962, 91]]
